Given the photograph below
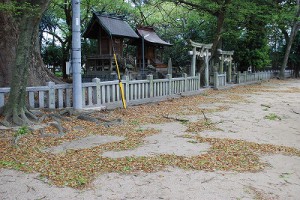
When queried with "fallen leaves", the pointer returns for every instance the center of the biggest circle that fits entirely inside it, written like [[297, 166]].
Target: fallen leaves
[[202, 125], [77, 168]]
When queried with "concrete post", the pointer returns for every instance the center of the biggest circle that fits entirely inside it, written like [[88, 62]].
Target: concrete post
[[246, 78], [199, 81], [76, 55], [51, 95], [206, 70], [239, 77], [150, 79], [126, 88], [193, 66], [216, 80], [170, 70], [169, 77], [96, 92], [2, 101], [185, 82], [222, 64], [229, 70]]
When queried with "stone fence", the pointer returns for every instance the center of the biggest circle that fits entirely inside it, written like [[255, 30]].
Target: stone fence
[[97, 94], [246, 77]]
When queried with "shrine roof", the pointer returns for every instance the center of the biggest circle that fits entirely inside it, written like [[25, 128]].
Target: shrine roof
[[112, 24], [150, 35]]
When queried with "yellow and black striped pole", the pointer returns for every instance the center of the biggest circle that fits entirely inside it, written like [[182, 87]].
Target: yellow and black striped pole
[[120, 81]]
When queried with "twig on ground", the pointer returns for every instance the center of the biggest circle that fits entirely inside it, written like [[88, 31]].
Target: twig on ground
[[176, 119], [296, 112], [206, 119], [264, 105]]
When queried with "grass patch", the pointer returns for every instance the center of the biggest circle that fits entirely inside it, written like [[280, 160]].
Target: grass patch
[[272, 116], [11, 164], [23, 130]]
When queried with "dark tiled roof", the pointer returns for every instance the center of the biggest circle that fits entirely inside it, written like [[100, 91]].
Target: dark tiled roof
[[151, 36], [113, 25]]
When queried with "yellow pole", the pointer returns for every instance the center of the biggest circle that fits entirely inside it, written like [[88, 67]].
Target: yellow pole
[[120, 82]]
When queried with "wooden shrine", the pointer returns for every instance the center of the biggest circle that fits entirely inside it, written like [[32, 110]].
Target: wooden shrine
[[110, 31], [150, 50]]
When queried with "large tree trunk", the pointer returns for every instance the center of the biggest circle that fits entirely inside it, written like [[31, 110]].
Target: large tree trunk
[[10, 33], [26, 57], [294, 31], [39, 74], [8, 44]]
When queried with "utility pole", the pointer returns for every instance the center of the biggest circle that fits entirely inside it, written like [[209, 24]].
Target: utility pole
[[76, 55]]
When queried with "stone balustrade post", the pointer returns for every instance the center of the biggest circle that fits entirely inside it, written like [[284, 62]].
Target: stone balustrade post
[[96, 92], [51, 95]]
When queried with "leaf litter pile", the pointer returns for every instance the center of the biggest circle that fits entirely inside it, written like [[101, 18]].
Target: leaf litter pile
[[77, 168]]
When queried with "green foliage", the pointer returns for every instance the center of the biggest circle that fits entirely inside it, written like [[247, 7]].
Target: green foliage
[[272, 116], [80, 180], [11, 164], [18, 8], [251, 29], [52, 54], [23, 130], [246, 33], [126, 168]]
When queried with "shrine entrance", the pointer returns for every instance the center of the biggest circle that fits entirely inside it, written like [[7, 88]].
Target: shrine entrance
[[226, 59], [202, 51]]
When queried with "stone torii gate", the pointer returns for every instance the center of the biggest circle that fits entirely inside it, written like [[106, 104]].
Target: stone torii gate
[[226, 56], [203, 53]]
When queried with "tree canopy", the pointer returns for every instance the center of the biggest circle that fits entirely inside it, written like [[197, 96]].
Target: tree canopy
[[258, 31]]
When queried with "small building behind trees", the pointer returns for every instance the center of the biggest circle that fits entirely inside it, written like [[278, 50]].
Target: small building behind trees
[[152, 46], [110, 31], [112, 34]]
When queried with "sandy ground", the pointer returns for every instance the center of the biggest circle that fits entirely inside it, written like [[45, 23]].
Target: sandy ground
[[246, 121]]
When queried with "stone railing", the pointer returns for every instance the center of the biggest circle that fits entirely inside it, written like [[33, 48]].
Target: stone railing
[[246, 77], [98, 93], [219, 80]]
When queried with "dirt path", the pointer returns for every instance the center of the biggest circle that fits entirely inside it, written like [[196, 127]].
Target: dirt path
[[266, 118]]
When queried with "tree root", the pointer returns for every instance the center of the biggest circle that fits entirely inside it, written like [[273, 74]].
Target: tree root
[[56, 125], [22, 118], [54, 116], [112, 122]]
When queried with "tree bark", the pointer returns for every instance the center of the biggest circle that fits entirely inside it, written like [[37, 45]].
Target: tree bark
[[24, 56], [10, 33], [295, 29], [220, 23], [8, 44]]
